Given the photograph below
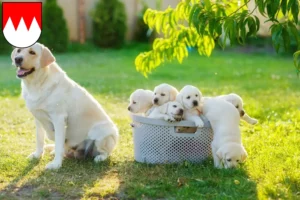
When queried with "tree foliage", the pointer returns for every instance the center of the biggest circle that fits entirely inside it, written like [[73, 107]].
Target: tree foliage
[[109, 23], [203, 24], [54, 29]]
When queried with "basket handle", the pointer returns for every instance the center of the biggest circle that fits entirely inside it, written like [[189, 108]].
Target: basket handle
[[185, 130]]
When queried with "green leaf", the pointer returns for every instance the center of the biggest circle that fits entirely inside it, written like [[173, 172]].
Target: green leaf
[[276, 30], [295, 33], [297, 62], [295, 11], [251, 26], [290, 4], [283, 6], [211, 26], [257, 22], [207, 4], [286, 38], [261, 6]]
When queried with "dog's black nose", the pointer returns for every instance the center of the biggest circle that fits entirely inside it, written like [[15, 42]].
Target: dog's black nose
[[195, 103], [181, 111], [242, 113], [156, 100], [128, 108], [18, 60]]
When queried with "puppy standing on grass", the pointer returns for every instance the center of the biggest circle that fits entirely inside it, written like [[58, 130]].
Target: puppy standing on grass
[[190, 98], [62, 109], [141, 101], [164, 93], [227, 145]]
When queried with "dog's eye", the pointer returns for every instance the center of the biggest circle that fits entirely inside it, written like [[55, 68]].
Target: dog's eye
[[196, 95], [237, 160], [162, 94], [229, 159], [175, 106], [32, 52], [154, 93], [188, 97], [237, 106], [19, 50], [134, 102]]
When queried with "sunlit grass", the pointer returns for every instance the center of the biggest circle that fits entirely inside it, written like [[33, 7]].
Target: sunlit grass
[[271, 93]]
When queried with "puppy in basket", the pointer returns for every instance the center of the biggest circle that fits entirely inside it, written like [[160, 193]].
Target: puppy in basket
[[190, 98], [171, 111], [140, 101], [227, 148], [164, 93]]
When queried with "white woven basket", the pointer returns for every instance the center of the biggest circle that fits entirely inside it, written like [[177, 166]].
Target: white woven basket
[[156, 141]]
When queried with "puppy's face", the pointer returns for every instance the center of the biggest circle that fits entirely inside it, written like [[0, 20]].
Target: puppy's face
[[173, 109], [140, 101], [30, 59], [164, 93], [189, 97], [232, 154]]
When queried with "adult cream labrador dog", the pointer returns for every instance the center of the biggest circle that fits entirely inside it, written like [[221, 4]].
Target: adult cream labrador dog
[[227, 148], [190, 97], [140, 101], [62, 109], [164, 93]]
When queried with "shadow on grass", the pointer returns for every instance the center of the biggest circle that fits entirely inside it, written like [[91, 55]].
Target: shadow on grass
[[185, 181], [73, 180]]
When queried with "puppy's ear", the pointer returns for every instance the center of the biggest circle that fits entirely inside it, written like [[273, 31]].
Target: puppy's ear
[[13, 54], [163, 108], [219, 154], [173, 94], [47, 57], [244, 155], [179, 98]]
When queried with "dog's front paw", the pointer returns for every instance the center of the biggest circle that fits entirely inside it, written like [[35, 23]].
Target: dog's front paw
[[169, 119], [53, 165], [199, 123], [35, 155]]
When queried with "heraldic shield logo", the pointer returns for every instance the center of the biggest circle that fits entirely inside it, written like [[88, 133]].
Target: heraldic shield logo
[[22, 22]]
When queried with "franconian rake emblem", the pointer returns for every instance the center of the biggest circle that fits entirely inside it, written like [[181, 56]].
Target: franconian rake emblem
[[22, 22]]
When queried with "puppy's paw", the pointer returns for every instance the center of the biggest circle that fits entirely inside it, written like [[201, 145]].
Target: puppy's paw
[[253, 121], [169, 119], [35, 155], [199, 123], [101, 157], [53, 165]]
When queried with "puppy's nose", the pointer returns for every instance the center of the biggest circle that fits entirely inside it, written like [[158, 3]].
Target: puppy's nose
[[195, 103], [129, 108], [242, 113], [18, 60], [156, 100], [181, 111]]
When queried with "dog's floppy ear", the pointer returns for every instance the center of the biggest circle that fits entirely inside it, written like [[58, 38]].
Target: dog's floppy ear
[[179, 98], [244, 155], [219, 154], [12, 55], [47, 57], [173, 94], [163, 108]]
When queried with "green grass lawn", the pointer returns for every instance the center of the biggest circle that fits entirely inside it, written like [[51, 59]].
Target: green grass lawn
[[267, 83]]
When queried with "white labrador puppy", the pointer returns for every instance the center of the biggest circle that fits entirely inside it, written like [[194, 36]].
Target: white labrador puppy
[[164, 93], [190, 97], [170, 111], [141, 101], [237, 101], [227, 145], [62, 109]]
